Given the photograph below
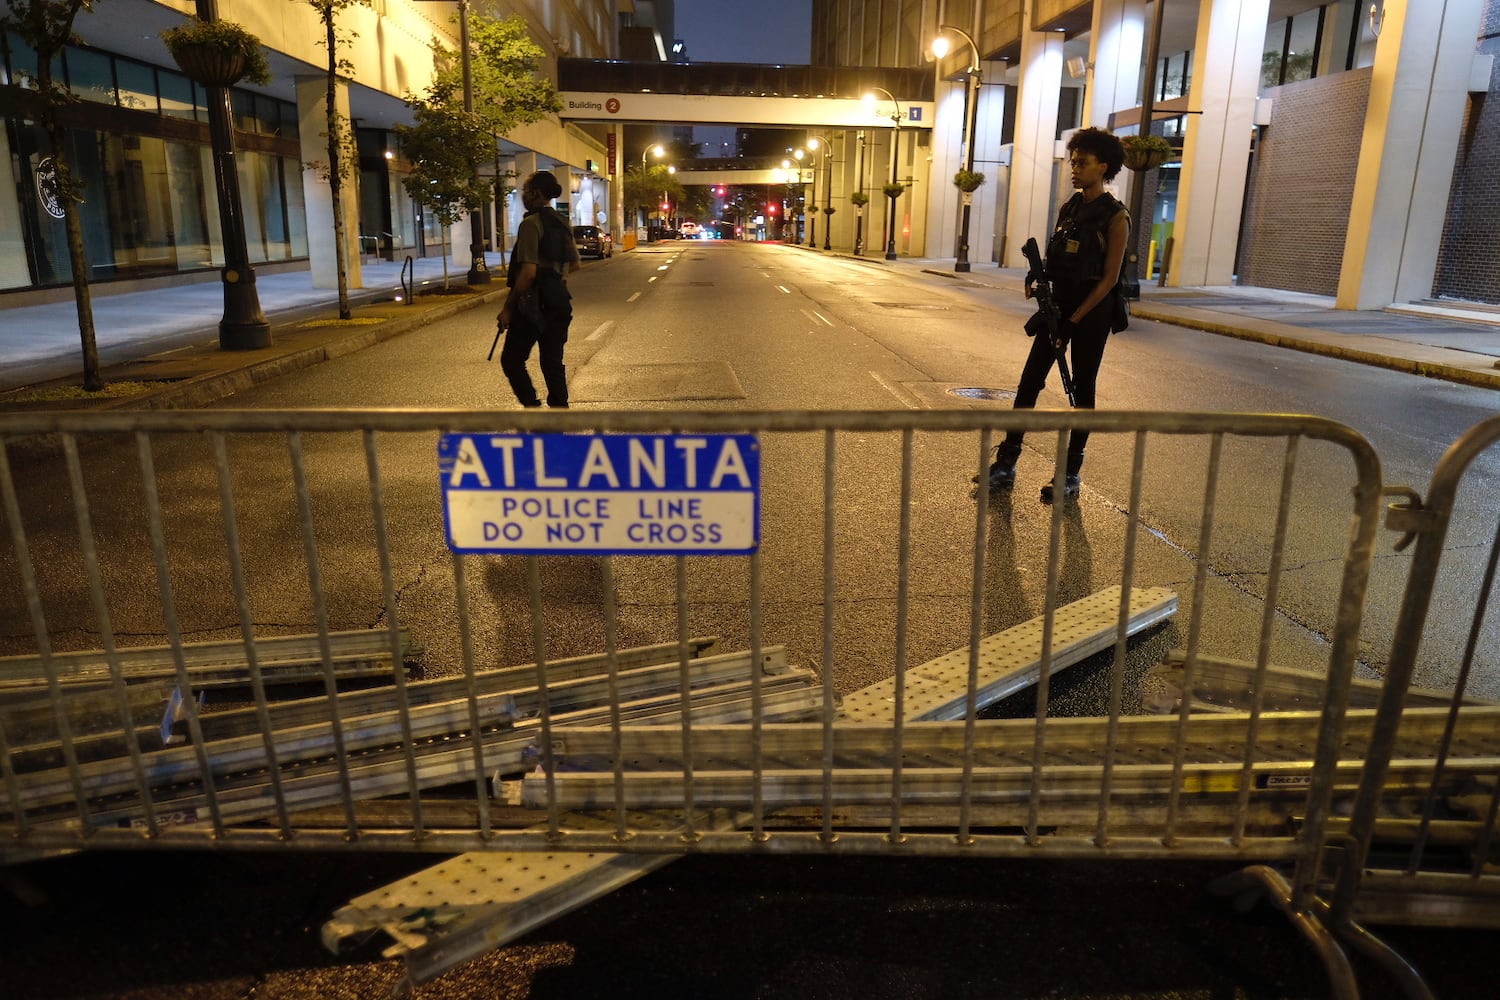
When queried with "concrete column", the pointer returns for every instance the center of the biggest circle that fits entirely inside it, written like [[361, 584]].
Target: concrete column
[[1418, 95], [947, 158], [1035, 147], [312, 129], [1116, 41], [1216, 153], [988, 120]]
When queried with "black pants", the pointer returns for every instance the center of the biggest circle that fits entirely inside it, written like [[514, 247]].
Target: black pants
[[550, 338], [1085, 354]]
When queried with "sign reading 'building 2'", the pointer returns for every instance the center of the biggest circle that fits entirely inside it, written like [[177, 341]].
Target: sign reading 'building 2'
[[601, 494]]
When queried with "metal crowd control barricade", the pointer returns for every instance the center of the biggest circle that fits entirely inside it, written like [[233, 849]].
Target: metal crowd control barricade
[[858, 683], [1420, 845]]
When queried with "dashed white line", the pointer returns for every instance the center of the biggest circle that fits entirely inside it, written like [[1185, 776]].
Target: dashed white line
[[785, 289], [633, 297], [603, 328], [816, 316]]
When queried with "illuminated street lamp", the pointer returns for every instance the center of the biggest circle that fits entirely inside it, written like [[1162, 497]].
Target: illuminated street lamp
[[971, 106], [813, 143], [890, 242]]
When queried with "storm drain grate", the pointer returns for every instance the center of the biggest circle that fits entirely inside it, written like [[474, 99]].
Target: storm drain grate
[[979, 392]]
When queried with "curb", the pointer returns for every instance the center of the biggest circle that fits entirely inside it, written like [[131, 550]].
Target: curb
[[204, 389], [1277, 338]]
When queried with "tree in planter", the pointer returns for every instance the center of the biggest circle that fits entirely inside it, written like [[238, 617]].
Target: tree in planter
[[446, 147], [47, 27], [341, 152], [504, 80]]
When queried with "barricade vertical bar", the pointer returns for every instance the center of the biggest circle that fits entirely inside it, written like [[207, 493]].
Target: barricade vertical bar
[[684, 651], [1460, 687], [44, 649], [247, 626], [976, 632], [106, 628], [612, 669], [757, 752], [1122, 637], [903, 588], [1049, 622], [393, 633], [471, 694], [544, 699], [1267, 633], [1195, 631], [174, 630], [320, 616], [829, 457]]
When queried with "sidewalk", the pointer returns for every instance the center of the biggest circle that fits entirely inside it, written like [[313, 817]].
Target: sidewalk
[[1449, 340], [164, 341]]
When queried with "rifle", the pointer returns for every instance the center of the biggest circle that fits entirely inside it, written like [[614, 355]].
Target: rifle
[[1037, 277]]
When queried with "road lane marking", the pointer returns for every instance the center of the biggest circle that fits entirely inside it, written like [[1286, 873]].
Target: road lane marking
[[633, 297], [894, 390], [662, 268], [816, 316], [652, 278], [603, 328], [785, 289]]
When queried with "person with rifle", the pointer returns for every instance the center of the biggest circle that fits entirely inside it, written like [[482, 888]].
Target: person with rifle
[[539, 308], [1081, 282]]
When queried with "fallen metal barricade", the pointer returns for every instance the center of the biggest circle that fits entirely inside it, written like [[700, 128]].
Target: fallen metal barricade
[[1420, 844], [878, 572]]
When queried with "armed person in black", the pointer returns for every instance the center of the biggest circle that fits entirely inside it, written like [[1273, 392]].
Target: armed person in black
[[1084, 256], [539, 307]]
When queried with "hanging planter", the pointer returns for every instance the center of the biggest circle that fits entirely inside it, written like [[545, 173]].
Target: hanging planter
[[967, 181], [893, 190], [859, 199], [1146, 152], [217, 53], [829, 210]]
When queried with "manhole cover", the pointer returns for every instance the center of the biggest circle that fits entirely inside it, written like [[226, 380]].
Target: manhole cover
[[982, 393]]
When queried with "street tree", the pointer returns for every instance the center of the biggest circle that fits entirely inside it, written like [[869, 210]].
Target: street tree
[[46, 26], [342, 156], [504, 74], [446, 146], [646, 188]]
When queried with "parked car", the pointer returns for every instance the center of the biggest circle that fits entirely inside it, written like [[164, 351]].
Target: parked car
[[593, 242]]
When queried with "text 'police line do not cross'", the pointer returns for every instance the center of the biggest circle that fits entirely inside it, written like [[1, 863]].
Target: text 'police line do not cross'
[[601, 494]]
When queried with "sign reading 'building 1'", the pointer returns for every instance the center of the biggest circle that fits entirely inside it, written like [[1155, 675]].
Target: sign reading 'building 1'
[[601, 494]]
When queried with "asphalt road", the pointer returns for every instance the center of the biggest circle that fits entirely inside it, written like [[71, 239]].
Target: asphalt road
[[738, 326]]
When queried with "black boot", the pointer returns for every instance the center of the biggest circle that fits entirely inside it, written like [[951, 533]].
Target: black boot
[[1003, 469], [1071, 482]]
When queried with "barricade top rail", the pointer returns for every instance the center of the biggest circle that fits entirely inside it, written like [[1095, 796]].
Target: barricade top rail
[[417, 419]]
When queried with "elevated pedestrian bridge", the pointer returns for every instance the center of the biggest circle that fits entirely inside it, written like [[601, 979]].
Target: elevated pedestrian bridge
[[743, 94]]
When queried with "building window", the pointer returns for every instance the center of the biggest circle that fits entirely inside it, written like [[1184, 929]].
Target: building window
[[90, 75]]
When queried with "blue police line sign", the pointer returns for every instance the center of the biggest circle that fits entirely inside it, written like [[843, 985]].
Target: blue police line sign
[[601, 494]]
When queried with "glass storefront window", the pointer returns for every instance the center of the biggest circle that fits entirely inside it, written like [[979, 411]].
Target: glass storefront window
[[137, 85], [91, 75], [176, 94]]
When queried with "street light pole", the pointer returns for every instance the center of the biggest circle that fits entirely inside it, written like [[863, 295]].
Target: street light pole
[[658, 152], [824, 148], [859, 210], [479, 273], [1138, 177], [243, 326], [971, 108], [890, 242]]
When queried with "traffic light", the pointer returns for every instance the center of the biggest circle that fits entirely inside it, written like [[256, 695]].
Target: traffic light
[[770, 209]]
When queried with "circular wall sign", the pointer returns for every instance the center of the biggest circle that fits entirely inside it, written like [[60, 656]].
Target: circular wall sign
[[612, 105], [46, 186]]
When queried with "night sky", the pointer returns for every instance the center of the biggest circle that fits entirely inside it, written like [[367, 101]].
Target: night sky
[[762, 31]]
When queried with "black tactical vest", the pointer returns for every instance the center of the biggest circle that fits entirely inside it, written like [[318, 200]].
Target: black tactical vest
[[1075, 253]]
